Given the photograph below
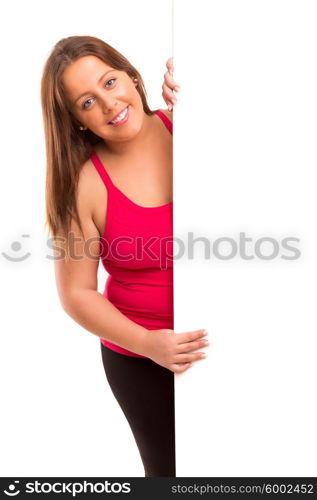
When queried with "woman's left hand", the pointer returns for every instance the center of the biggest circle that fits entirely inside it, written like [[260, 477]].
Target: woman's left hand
[[169, 86]]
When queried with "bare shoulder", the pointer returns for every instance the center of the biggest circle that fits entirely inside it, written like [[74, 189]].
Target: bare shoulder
[[168, 113], [86, 181], [88, 190], [76, 274], [92, 196]]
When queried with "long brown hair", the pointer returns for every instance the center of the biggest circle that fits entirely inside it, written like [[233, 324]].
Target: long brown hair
[[67, 148]]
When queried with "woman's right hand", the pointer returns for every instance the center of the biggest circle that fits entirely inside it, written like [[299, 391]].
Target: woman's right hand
[[174, 351]]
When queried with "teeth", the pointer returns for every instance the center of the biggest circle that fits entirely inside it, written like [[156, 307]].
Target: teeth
[[120, 117]]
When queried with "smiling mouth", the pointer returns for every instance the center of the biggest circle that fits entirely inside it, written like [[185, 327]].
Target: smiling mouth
[[120, 118]]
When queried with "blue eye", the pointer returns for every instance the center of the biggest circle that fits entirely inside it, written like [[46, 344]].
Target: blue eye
[[111, 80], [87, 102]]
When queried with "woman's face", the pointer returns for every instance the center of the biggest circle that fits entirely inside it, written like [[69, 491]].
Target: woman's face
[[98, 94]]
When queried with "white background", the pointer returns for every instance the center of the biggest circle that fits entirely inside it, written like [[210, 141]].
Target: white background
[[245, 160], [59, 417]]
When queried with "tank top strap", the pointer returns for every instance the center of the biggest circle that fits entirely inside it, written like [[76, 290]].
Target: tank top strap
[[101, 170], [167, 122]]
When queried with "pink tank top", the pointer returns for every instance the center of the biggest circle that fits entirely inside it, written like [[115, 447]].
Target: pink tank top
[[136, 252]]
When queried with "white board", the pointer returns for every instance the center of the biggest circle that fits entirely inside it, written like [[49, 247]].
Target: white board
[[245, 160]]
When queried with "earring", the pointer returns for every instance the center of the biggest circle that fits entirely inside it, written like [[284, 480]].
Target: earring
[[82, 128], [135, 80]]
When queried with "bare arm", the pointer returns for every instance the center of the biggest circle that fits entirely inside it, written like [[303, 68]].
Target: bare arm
[[76, 280]]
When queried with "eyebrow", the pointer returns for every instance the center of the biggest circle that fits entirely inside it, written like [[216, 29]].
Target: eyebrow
[[99, 79]]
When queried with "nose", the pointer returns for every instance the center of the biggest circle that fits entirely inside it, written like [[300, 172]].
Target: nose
[[108, 103]]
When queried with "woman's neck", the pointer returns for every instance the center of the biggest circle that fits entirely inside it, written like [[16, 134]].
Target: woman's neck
[[141, 140]]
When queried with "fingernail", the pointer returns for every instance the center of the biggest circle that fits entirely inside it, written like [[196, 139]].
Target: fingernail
[[171, 72], [174, 101], [177, 88], [205, 332], [203, 355], [169, 107]]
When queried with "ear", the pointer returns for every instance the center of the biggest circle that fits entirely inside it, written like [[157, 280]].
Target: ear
[[79, 125]]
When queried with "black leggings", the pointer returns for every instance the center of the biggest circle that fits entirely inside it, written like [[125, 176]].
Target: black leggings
[[145, 393]]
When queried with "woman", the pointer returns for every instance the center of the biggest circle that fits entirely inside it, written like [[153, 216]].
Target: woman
[[109, 196]]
